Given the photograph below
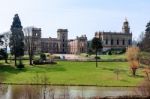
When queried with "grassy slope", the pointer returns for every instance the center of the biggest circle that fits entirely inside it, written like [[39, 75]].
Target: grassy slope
[[84, 73]]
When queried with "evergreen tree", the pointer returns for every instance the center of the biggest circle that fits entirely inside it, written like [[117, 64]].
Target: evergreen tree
[[147, 37], [3, 54], [1, 39], [97, 46], [144, 44], [17, 41]]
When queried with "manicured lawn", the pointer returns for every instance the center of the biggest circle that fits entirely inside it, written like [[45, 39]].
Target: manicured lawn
[[106, 57], [121, 56], [77, 73]]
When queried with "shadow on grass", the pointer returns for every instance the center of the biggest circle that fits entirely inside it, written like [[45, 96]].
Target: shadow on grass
[[113, 69], [6, 70], [54, 68], [10, 69], [137, 76], [123, 80]]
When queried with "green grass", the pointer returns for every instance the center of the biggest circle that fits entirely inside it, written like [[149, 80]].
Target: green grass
[[121, 56], [106, 57], [76, 73]]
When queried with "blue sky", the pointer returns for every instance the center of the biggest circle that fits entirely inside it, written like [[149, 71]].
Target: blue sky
[[78, 16]]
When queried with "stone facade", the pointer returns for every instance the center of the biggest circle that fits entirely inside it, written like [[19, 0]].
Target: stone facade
[[53, 45], [61, 44], [62, 36], [33, 35], [78, 45], [116, 40]]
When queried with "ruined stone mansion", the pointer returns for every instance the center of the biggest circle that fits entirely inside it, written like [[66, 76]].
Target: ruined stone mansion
[[62, 45]]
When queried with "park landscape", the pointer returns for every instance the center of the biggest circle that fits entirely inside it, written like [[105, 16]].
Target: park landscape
[[39, 75], [109, 74], [121, 72], [73, 73]]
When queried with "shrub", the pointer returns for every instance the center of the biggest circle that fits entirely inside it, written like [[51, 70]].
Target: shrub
[[117, 72], [43, 57], [56, 57], [123, 51], [132, 53], [97, 57], [39, 62], [110, 53], [133, 58], [147, 72]]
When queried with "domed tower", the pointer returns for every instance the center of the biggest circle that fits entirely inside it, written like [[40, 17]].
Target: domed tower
[[125, 27]]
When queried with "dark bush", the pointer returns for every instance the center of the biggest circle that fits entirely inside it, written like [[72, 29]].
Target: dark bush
[[87, 55], [43, 57], [39, 62], [110, 53], [97, 57], [56, 57]]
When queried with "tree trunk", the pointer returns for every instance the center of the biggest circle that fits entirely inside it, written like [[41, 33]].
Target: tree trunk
[[20, 60], [15, 60], [6, 56], [134, 71], [117, 76], [6, 60], [30, 57], [147, 76], [96, 58]]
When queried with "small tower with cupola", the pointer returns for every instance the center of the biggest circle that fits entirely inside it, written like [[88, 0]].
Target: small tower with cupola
[[126, 27]]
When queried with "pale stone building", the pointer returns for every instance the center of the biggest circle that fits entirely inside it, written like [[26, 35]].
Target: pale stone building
[[60, 45], [53, 45], [78, 45], [62, 37], [45, 45], [32, 36], [116, 40]]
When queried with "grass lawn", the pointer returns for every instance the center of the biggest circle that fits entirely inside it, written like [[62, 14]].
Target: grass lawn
[[77, 73], [121, 56]]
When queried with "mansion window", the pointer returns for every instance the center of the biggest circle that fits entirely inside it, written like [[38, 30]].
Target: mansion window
[[129, 42], [123, 42], [106, 41], [54, 44], [117, 42], [112, 41]]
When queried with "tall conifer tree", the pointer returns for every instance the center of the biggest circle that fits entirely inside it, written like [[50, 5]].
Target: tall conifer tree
[[17, 41]]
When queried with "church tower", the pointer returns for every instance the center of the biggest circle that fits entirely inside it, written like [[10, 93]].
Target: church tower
[[125, 27]]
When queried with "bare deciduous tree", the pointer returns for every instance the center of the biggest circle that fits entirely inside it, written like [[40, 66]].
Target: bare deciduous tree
[[29, 42]]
